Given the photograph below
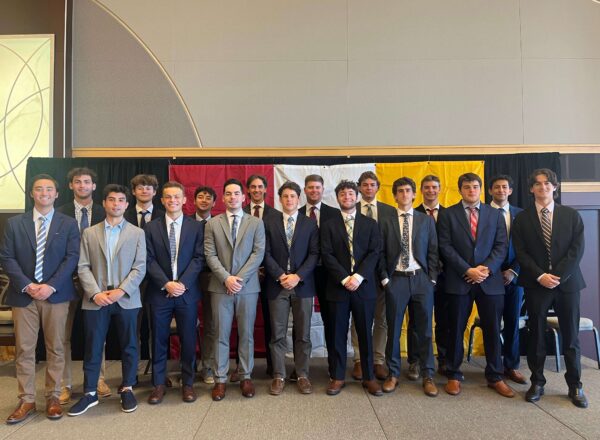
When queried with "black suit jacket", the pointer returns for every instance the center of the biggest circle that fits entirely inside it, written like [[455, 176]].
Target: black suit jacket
[[98, 213], [421, 208], [566, 250], [326, 213], [131, 214], [269, 210], [335, 253], [423, 240], [303, 254]]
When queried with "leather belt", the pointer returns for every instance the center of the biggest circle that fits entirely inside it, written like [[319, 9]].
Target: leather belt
[[406, 273]]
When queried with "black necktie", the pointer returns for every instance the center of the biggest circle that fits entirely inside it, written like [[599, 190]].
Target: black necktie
[[143, 219]]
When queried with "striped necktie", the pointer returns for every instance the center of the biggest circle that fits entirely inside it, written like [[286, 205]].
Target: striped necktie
[[40, 249], [350, 229], [473, 222], [547, 233], [173, 248]]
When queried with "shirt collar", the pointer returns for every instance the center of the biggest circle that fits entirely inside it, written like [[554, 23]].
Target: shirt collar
[[109, 226], [427, 208], [177, 221], [200, 218], [317, 206], [294, 216], [476, 206], [351, 214], [505, 208], [539, 207], [261, 204], [365, 203], [37, 215], [239, 213], [78, 205], [139, 209], [409, 212]]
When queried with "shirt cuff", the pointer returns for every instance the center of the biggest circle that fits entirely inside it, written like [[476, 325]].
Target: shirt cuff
[[345, 280], [358, 277], [514, 273], [540, 277], [385, 281]]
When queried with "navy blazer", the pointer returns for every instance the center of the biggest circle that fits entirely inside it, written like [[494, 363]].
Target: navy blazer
[[461, 252], [510, 262], [335, 253], [131, 213], [567, 247], [303, 254], [424, 244], [17, 256], [190, 259], [98, 212]]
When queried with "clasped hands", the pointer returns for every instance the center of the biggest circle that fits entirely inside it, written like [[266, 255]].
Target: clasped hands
[[233, 284], [549, 281], [41, 292], [289, 281], [476, 275], [174, 289], [352, 283], [108, 297]]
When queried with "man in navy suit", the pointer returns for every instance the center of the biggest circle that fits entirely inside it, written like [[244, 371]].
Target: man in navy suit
[[549, 242], [175, 246], [82, 181], [39, 253], [291, 254], [500, 188], [350, 248], [409, 272], [473, 243]]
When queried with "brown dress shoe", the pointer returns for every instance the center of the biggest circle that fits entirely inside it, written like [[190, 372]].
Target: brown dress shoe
[[429, 387], [276, 387], [357, 371], [501, 388], [453, 387], [515, 376], [218, 392], [188, 394], [53, 409], [335, 386], [21, 412], [157, 395], [380, 372], [304, 385], [372, 387], [390, 384], [234, 376], [247, 388]]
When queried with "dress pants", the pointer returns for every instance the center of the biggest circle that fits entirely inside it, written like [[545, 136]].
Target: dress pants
[[362, 313], [27, 321], [417, 291], [186, 318], [513, 300], [325, 308], [301, 315], [490, 314], [95, 324], [566, 306], [207, 343], [225, 308], [379, 331]]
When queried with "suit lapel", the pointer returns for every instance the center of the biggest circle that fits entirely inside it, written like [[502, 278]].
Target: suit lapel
[[55, 225], [30, 229], [462, 219], [226, 229], [482, 221], [535, 221], [163, 233], [122, 237], [242, 228], [281, 230], [101, 236], [415, 233]]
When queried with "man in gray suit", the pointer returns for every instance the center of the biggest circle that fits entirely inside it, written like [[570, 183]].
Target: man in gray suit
[[112, 265], [234, 246]]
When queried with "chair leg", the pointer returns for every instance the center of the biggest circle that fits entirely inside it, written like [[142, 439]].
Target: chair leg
[[597, 342], [471, 338], [557, 347]]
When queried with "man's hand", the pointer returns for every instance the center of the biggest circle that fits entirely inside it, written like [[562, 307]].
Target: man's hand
[[115, 294], [41, 292], [233, 284], [103, 299], [508, 276], [476, 275], [352, 284], [549, 281], [289, 281], [174, 289]]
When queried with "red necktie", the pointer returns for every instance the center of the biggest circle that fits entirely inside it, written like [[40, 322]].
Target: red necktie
[[312, 214], [257, 211], [473, 222]]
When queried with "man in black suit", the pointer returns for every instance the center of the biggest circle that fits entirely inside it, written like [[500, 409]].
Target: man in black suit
[[322, 213], [368, 186], [350, 248], [472, 240], [549, 242], [500, 188], [143, 188], [409, 272], [205, 198], [291, 254], [82, 181], [430, 189]]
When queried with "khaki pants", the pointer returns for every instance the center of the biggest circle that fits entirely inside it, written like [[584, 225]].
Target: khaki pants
[[27, 322]]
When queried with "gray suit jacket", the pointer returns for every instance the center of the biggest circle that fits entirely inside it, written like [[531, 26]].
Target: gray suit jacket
[[243, 261], [129, 264]]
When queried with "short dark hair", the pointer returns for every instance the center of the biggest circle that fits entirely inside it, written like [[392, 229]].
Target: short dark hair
[[430, 178], [346, 184], [174, 184], [205, 189], [403, 181], [550, 175], [81, 171], [254, 177], [43, 177], [289, 185], [501, 177], [313, 178], [468, 177], [233, 182], [114, 188], [368, 175], [144, 180]]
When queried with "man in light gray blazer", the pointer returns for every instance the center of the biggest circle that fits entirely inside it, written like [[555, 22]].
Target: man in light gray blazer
[[112, 265], [234, 246]]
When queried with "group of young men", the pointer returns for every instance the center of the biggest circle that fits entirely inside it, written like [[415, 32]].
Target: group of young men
[[364, 259]]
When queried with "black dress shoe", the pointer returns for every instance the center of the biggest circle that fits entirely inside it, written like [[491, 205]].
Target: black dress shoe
[[534, 393], [578, 398]]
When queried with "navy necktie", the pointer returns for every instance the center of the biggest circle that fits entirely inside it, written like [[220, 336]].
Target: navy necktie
[[85, 222]]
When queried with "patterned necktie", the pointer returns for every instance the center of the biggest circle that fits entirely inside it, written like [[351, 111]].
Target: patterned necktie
[[547, 233], [473, 222], [173, 248], [405, 244], [257, 211], [39, 251], [143, 219], [289, 231], [234, 226], [312, 213], [349, 230], [85, 222], [370, 210]]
